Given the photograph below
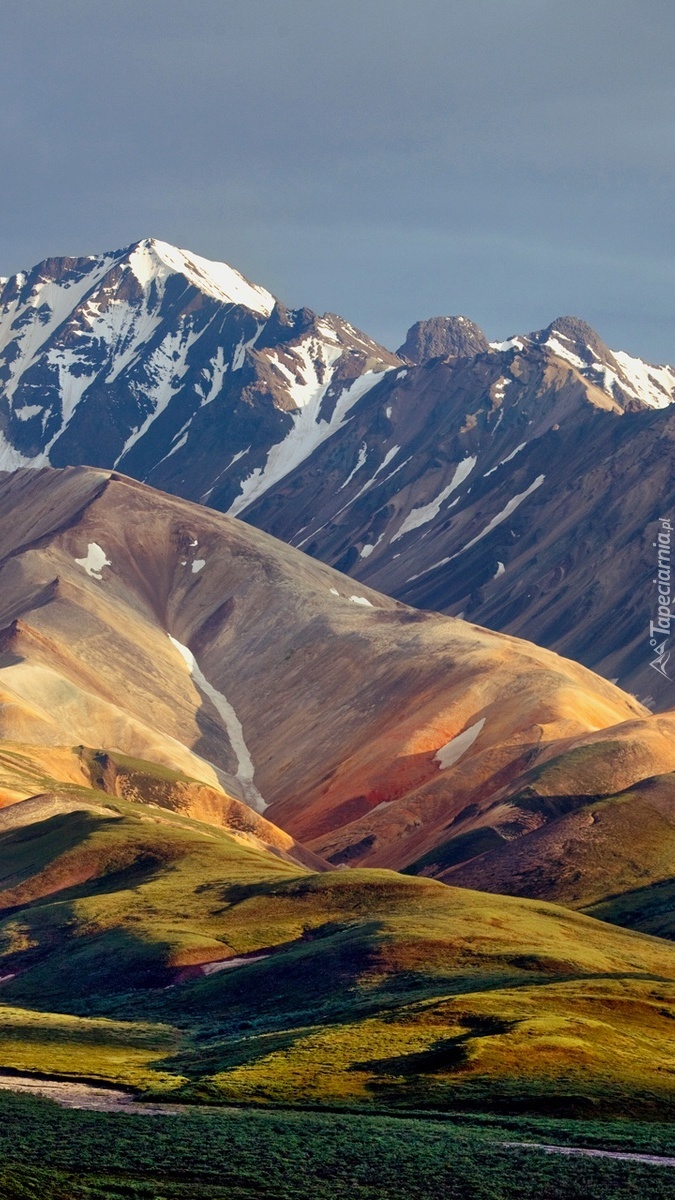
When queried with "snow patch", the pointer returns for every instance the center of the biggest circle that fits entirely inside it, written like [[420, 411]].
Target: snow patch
[[95, 561], [361, 600], [655, 386], [309, 431], [218, 370], [500, 570], [561, 351], [235, 733], [499, 387], [153, 258], [427, 512], [197, 565], [514, 343], [453, 750], [505, 460], [363, 454], [28, 411], [314, 360]]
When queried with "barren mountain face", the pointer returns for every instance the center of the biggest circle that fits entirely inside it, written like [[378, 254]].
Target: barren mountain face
[[139, 624], [519, 483], [521, 488]]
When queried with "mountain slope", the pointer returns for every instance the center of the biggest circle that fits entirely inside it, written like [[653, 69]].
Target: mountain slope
[[595, 851], [137, 623], [517, 483], [166, 364], [521, 487], [218, 958]]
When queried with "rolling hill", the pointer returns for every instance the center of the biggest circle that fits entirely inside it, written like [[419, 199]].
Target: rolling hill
[[150, 950]]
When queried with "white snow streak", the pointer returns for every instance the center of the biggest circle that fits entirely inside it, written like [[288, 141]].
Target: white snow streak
[[369, 482], [235, 733], [307, 434], [505, 460], [218, 370], [453, 750], [235, 458], [165, 370], [55, 301], [363, 454], [427, 512], [506, 512], [501, 516], [240, 352]]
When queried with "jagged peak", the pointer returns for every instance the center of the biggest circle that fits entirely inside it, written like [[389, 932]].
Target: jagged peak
[[151, 257], [577, 336], [437, 337], [150, 260]]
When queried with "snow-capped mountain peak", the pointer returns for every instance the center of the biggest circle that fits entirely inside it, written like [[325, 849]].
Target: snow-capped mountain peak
[[154, 260], [151, 353], [628, 381]]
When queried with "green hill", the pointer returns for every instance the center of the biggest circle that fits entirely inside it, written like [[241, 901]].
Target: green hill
[[356, 987]]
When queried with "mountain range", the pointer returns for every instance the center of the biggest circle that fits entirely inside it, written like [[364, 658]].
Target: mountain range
[[370, 732], [281, 820], [518, 484], [206, 735]]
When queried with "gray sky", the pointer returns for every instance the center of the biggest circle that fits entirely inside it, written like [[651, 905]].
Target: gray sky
[[389, 160]]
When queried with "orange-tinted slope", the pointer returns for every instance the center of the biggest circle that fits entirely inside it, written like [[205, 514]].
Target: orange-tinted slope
[[141, 623]]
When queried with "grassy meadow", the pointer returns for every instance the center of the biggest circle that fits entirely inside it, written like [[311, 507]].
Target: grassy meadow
[[47, 1153], [365, 987]]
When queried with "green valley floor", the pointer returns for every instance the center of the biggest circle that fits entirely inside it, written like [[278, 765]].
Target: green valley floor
[[49, 1153]]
